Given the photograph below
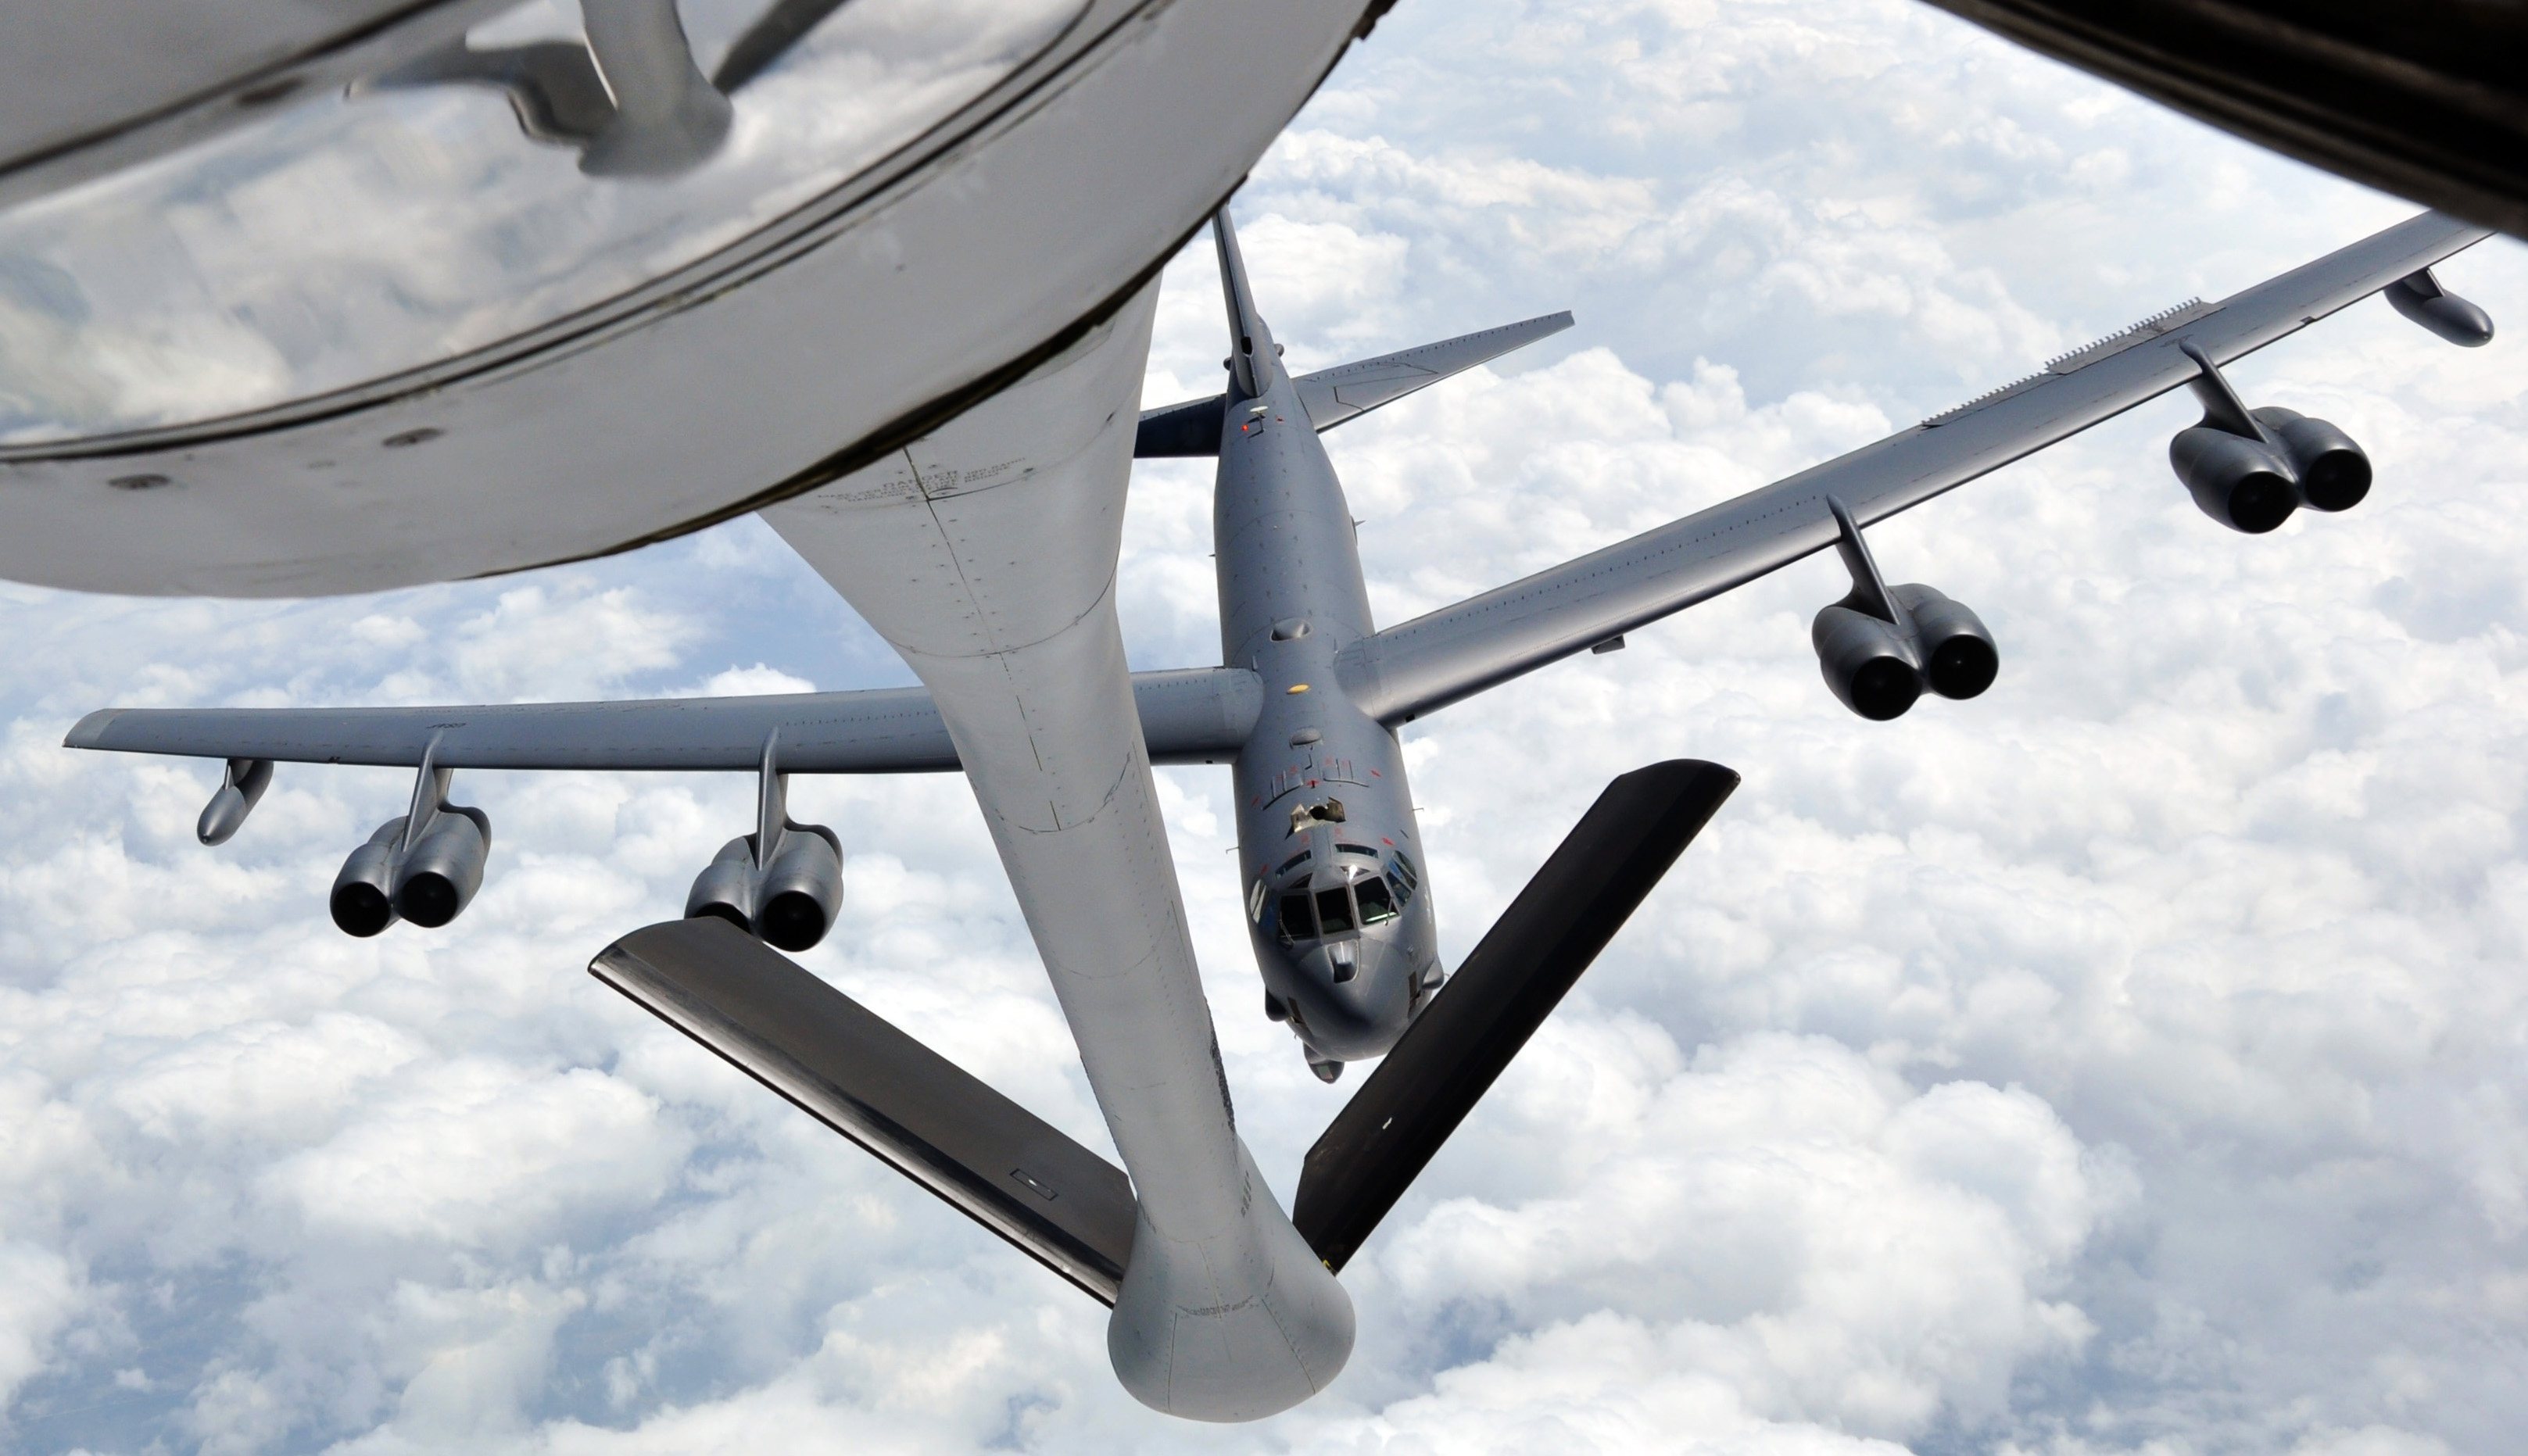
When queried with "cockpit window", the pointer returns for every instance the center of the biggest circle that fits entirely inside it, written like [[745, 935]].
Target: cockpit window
[[1376, 907], [1405, 872], [1298, 921], [1403, 897], [1333, 909], [1364, 851], [1294, 861]]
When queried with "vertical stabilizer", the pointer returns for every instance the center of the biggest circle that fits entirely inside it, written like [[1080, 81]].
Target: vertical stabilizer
[[1254, 361]]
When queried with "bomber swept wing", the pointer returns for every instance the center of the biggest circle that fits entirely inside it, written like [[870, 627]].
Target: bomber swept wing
[[1416, 667], [1445, 655], [1197, 717]]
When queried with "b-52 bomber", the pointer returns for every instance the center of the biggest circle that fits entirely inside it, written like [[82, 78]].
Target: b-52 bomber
[[1224, 1307]]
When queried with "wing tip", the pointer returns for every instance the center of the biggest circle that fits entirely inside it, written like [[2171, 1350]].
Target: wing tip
[[89, 732]]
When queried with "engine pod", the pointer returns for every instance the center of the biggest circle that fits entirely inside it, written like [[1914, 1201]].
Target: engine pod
[[2334, 472], [442, 871], [1960, 658], [726, 886], [2244, 483], [801, 888], [1866, 662], [363, 899]]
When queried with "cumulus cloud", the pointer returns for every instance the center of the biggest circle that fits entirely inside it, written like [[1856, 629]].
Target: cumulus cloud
[[2126, 1061]]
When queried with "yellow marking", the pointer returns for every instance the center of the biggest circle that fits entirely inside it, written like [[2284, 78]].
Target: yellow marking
[[1296, 687]]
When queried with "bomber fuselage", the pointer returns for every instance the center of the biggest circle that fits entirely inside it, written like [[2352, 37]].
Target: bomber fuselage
[[1330, 859]]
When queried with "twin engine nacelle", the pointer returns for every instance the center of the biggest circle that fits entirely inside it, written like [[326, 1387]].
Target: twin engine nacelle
[[1880, 666], [2254, 482], [428, 880], [789, 899]]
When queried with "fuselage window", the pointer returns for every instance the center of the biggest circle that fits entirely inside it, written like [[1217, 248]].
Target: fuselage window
[[1255, 902], [1296, 922], [1376, 909], [1294, 861], [1333, 909], [1364, 851]]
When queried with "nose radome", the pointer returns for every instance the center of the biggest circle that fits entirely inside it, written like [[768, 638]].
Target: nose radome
[[1359, 1013]]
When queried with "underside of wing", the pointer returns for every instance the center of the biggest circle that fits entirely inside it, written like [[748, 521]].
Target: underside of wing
[[1448, 654], [1198, 716]]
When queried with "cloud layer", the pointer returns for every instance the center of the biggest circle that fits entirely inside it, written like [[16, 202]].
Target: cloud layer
[[2126, 1061]]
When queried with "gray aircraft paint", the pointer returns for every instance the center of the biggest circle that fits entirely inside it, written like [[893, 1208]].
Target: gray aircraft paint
[[1291, 601], [986, 553]]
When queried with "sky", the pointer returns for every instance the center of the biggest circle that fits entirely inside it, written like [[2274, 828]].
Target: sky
[[2127, 1063]]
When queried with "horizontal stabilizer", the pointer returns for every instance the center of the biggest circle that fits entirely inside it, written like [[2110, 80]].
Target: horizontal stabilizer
[[1347, 391], [938, 1124], [1532, 956], [1350, 391], [1180, 430]]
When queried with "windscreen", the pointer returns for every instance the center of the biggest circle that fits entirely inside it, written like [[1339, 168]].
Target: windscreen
[[1376, 907]]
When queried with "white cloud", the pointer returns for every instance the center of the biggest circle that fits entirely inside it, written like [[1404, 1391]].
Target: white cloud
[[471, 1152]]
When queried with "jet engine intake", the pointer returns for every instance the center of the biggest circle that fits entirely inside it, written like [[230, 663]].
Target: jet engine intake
[[2250, 469], [1881, 645], [444, 868], [1866, 661], [2334, 472], [801, 888], [2247, 484], [1960, 658], [363, 897], [790, 902], [726, 886], [422, 866]]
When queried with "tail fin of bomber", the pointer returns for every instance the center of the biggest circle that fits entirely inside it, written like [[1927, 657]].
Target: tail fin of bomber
[[1331, 395], [1252, 357]]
